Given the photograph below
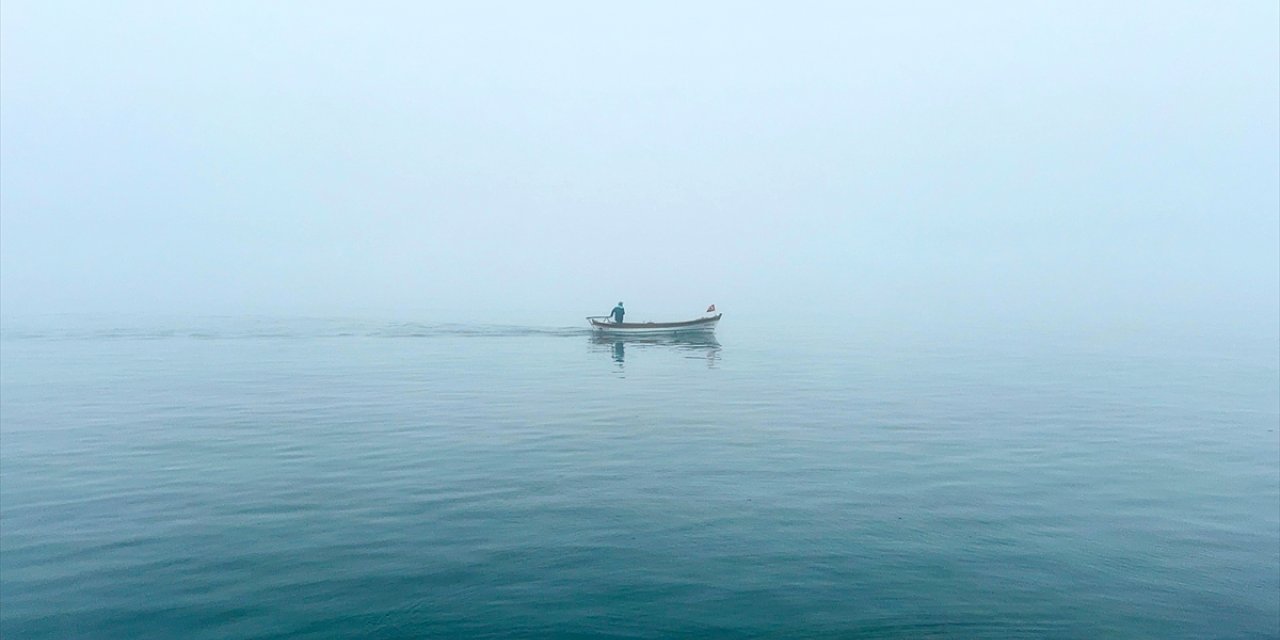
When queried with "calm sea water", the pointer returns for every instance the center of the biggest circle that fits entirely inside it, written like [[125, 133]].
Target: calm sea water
[[231, 478]]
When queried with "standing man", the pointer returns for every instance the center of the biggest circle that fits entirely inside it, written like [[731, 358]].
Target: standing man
[[617, 313]]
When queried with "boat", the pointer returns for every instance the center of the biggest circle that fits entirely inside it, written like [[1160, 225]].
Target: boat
[[601, 324]]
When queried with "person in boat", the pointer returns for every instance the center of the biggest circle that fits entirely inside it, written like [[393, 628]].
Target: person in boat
[[617, 313]]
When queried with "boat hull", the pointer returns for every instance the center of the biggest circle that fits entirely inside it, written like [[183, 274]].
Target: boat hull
[[701, 325]]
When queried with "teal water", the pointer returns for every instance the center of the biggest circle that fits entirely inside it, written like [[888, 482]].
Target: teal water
[[230, 478]]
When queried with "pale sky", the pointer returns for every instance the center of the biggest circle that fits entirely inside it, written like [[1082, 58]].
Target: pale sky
[[1107, 162]]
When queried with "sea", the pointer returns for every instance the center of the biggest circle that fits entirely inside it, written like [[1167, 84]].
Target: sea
[[229, 477]]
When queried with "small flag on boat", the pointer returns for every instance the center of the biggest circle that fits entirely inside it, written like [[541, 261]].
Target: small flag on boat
[[711, 309]]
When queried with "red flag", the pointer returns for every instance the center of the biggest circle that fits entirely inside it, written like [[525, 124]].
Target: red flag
[[711, 308]]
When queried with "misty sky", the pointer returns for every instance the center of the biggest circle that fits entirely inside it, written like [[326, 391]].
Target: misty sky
[[1108, 162]]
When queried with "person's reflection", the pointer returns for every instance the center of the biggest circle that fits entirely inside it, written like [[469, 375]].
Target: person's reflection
[[619, 352]]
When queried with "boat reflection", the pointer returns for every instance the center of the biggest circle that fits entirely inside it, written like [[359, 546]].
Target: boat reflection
[[693, 345]]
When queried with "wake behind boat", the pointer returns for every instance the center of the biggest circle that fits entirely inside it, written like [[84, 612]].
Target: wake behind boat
[[602, 324]]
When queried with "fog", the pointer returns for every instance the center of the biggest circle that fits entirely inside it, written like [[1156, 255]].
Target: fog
[[920, 163]]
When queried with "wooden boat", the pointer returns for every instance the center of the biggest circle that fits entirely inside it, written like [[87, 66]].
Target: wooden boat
[[601, 324]]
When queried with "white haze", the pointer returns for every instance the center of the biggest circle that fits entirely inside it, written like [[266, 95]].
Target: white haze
[[894, 164]]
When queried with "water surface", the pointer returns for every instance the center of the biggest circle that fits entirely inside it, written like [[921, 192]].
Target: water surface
[[261, 478]]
